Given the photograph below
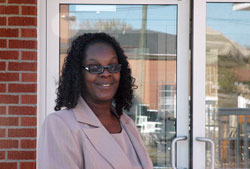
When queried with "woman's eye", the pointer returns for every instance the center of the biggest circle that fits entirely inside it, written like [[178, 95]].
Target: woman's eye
[[112, 67], [95, 67]]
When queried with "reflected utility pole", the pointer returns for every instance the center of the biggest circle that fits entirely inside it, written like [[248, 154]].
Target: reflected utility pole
[[143, 27], [142, 50]]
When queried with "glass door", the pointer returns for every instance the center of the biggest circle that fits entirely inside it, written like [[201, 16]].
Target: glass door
[[155, 38], [221, 87], [228, 83]]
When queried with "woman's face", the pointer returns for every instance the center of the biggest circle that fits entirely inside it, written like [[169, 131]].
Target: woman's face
[[102, 87]]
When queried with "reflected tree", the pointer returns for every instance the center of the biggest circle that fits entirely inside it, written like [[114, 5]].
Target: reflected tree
[[104, 25]]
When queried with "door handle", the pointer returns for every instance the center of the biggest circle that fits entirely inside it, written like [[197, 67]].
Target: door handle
[[180, 138], [212, 146]]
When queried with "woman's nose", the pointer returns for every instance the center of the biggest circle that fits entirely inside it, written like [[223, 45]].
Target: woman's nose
[[106, 73]]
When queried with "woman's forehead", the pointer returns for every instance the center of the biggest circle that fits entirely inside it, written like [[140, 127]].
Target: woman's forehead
[[100, 51], [99, 46]]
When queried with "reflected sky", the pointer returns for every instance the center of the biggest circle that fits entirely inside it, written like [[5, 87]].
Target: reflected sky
[[160, 18], [235, 24]]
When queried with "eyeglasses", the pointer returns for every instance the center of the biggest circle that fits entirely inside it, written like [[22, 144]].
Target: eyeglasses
[[97, 69]]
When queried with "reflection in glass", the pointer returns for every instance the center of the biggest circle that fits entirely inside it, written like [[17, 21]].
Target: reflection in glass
[[228, 83], [147, 33]]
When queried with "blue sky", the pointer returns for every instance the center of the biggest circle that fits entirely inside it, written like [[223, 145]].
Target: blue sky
[[234, 24], [162, 18]]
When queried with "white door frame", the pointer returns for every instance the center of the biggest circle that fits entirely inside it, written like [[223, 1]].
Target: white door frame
[[198, 82], [48, 62]]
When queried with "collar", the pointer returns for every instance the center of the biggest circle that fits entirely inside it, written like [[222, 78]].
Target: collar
[[84, 114]]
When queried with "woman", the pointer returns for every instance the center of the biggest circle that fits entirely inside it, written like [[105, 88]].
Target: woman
[[89, 129]]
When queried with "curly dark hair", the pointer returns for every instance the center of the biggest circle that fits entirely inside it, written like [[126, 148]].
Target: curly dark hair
[[71, 83]]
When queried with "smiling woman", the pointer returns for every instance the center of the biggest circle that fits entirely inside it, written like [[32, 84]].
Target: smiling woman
[[89, 129], [100, 87]]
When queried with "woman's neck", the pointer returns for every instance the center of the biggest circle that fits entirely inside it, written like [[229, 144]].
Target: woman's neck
[[106, 117], [100, 109]]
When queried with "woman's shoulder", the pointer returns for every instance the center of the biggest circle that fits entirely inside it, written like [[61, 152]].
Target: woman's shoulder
[[61, 113], [65, 116]]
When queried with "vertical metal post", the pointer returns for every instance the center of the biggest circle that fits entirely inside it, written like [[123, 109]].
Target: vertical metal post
[[228, 139], [246, 141], [237, 144], [209, 122]]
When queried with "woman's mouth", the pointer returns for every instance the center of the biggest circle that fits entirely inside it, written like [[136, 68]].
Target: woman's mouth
[[105, 85]]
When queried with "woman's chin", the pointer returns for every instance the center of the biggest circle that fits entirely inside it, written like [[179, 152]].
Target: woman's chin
[[105, 99]]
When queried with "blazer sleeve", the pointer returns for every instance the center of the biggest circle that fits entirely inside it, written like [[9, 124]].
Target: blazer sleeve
[[57, 146]]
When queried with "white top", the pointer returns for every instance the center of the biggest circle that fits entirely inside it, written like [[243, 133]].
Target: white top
[[124, 142]]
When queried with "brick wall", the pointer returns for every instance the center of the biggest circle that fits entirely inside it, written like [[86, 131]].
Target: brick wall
[[18, 83]]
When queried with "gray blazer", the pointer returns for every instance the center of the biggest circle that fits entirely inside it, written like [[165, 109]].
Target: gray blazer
[[76, 139]]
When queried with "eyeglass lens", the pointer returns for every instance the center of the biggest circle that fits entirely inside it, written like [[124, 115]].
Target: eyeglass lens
[[99, 69]]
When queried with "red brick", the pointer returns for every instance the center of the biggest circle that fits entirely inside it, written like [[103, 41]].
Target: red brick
[[8, 99], [8, 32], [21, 155], [2, 1], [24, 44], [3, 43], [2, 110], [21, 21], [28, 121], [2, 155], [2, 88], [29, 99], [28, 165], [3, 21], [2, 65], [8, 121], [2, 132], [28, 143], [22, 110], [29, 10], [22, 132], [9, 10], [8, 55], [29, 55], [29, 77], [22, 88], [8, 165], [22, 66], [8, 143], [9, 77], [29, 33], [22, 1]]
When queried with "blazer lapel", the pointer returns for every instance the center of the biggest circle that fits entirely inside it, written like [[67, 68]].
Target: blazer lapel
[[100, 138], [137, 142]]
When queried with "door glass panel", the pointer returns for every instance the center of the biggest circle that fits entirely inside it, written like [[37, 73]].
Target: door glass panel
[[147, 33], [228, 83]]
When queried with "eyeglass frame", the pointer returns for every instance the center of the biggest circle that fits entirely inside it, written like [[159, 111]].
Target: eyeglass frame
[[87, 68]]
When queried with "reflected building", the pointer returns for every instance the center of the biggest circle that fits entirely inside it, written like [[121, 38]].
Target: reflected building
[[228, 99]]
